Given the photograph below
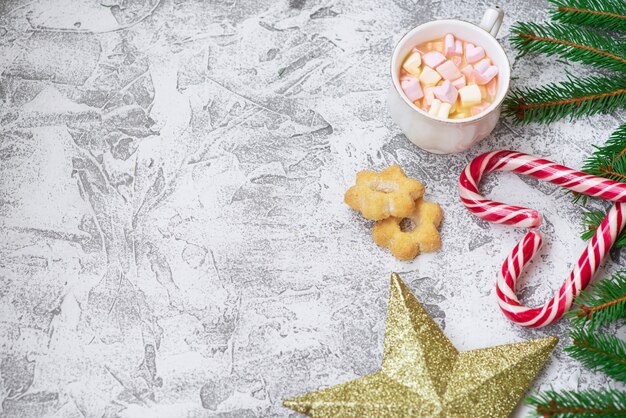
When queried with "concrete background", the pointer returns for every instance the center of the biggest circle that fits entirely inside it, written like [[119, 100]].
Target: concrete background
[[173, 240]]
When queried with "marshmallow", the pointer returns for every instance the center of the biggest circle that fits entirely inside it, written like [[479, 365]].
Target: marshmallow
[[444, 110], [473, 53], [437, 46], [449, 71], [412, 88], [458, 48], [467, 71], [482, 65], [460, 82], [470, 95], [429, 76], [485, 77], [412, 64], [460, 115], [446, 92], [448, 45], [492, 88], [433, 58], [457, 60], [429, 95], [483, 92], [434, 107], [475, 110]]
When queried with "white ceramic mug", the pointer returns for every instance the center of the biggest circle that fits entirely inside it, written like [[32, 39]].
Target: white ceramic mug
[[444, 136]]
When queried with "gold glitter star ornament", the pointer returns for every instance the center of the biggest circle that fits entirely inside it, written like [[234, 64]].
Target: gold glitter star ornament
[[423, 374]]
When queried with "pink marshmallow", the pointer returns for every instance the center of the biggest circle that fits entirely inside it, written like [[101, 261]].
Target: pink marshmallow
[[474, 53], [478, 78], [449, 71], [475, 110], [482, 65], [467, 71], [448, 45], [416, 49], [446, 92], [492, 88], [429, 95], [460, 82], [457, 60], [433, 58], [485, 77], [412, 88], [458, 48]]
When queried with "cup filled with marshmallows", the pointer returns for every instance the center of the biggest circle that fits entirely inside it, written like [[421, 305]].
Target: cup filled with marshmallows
[[449, 79]]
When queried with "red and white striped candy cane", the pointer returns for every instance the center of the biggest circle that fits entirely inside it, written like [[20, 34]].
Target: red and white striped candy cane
[[524, 251]]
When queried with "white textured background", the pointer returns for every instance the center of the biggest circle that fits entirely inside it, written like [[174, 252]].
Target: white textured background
[[173, 240]]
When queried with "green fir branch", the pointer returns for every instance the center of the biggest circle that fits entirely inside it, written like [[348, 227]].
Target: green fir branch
[[583, 404], [609, 160], [603, 352], [592, 220], [571, 42], [602, 304], [601, 14], [574, 98]]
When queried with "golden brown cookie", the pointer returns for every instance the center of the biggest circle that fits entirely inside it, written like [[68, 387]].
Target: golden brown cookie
[[424, 237], [380, 195]]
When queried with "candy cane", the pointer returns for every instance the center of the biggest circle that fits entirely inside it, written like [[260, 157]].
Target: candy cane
[[526, 249]]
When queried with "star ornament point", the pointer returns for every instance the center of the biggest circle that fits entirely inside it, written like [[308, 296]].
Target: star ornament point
[[424, 375]]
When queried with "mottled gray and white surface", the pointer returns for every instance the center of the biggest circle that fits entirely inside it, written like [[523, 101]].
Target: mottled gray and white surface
[[173, 240]]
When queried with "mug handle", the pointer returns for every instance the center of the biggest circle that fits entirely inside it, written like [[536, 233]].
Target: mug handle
[[492, 19]]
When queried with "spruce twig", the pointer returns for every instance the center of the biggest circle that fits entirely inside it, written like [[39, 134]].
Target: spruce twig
[[572, 43], [601, 14], [603, 304], [603, 352], [592, 220], [583, 404], [609, 160], [573, 98]]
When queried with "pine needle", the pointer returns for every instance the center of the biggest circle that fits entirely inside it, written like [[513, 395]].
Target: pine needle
[[601, 14], [574, 98], [572, 43], [603, 352], [602, 304], [583, 404]]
